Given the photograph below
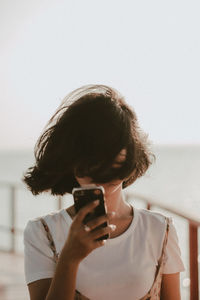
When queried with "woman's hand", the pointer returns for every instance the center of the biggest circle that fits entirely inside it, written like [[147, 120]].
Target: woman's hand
[[83, 239]]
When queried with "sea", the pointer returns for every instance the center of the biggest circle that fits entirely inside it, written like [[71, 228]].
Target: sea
[[173, 180]]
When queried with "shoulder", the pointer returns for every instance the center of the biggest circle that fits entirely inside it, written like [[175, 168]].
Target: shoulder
[[152, 225], [39, 260], [153, 218], [34, 227]]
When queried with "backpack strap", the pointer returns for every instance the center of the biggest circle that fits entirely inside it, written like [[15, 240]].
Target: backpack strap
[[51, 241], [161, 260], [154, 292]]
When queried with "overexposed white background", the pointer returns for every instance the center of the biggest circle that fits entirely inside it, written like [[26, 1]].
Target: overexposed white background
[[148, 50]]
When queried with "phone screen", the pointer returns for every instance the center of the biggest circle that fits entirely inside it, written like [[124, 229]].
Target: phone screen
[[83, 196]]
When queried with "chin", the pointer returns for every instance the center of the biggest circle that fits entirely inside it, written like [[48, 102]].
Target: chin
[[111, 188]]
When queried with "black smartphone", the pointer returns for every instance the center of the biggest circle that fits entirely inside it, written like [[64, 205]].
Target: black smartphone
[[83, 196]]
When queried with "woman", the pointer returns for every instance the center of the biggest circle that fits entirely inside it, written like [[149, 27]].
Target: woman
[[94, 138]]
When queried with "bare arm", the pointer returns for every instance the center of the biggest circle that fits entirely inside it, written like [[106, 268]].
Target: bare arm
[[39, 289], [170, 288], [61, 286], [78, 245]]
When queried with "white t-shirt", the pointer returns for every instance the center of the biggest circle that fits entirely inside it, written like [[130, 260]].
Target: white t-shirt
[[124, 268]]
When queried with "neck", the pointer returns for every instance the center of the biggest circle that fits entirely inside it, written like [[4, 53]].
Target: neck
[[116, 202]]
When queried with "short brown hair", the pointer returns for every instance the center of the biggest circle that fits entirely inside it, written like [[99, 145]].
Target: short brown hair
[[91, 126]]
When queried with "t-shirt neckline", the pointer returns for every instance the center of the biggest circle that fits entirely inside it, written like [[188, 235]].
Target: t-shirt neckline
[[114, 240]]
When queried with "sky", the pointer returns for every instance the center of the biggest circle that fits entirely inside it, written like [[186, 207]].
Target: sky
[[148, 50]]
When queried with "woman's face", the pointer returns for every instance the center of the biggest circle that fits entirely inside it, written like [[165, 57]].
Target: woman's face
[[109, 187]]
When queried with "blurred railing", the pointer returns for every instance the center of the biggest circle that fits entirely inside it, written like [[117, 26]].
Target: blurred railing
[[12, 228], [193, 224]]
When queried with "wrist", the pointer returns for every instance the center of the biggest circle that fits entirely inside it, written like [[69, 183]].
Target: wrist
[[68, 258]]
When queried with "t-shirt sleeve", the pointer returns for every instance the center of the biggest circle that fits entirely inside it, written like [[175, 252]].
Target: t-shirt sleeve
[[173, 259], [38, 256]]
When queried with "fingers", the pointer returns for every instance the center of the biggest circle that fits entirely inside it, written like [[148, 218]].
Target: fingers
[[99, 243], [98, 233], [83, 239], [88, 234], [85, 210], [100, 220]]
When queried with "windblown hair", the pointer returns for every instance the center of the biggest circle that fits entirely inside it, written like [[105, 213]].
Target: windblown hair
[[89, 129]]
